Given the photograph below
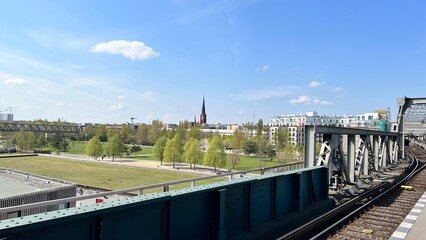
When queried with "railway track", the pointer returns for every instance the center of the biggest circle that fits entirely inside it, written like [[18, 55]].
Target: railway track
[[383, 217], [375, 215]]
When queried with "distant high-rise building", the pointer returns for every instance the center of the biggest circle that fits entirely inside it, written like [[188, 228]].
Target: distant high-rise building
[[203, 116], [6, 117]]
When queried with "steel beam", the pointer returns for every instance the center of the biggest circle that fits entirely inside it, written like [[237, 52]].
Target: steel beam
[[375, 150], [351, 131], [350, 162], [310, 146]]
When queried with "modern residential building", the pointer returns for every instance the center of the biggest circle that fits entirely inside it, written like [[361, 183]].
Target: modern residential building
[[378, 120]]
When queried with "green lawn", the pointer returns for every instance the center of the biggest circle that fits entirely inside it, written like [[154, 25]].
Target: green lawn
[[96, 174], [248, 162], [77, 148], [245, 162]]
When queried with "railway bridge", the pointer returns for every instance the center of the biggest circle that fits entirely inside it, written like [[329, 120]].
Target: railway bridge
[[261, 206], [39, 128]]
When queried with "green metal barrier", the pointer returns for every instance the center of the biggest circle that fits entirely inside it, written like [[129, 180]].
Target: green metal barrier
[[223, 210]]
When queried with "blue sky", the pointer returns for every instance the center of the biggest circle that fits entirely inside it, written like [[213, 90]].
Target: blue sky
[[108, 61]]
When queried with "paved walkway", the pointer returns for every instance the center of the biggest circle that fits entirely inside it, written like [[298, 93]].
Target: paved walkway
[[149, 164], [413, 226]]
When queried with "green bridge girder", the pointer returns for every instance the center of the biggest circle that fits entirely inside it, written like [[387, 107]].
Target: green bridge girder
[[41, 128], [240, 208]]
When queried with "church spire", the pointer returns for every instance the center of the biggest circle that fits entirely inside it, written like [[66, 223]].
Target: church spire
[[203, 116]]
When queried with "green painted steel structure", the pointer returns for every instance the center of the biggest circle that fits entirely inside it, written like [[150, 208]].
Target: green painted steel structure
[[224, 210], [42, 128]]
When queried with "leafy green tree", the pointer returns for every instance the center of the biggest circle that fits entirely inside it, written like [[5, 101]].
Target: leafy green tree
[[238, 139], [159, 148], [287, 154], [280, 138], [262, 144], [94, 147], [154, 132], [236, 144], [171, 133], [41, 141], [259, 129], [142, 134], [173, 150], [134, 149], [111, 132], [19, 140], [250, 147], [126, 133], [270, 152], [96, 130], [181, 131], [65, 145], [31, 139], [114, 147], [215, 154], [194, 132], [192, 154], [55, 142]]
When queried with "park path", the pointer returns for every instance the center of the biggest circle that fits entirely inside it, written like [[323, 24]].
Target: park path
[[149, 164]]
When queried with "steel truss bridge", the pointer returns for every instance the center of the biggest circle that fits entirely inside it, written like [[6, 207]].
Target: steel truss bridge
[[240, 208], [412, 117], [39, 128]]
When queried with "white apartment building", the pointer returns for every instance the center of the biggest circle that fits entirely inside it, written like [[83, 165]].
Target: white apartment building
[[296, 122]]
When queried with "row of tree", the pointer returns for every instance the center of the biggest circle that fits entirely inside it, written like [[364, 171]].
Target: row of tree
[[114, 147], [36, 141], [181, 144], [175, 151]]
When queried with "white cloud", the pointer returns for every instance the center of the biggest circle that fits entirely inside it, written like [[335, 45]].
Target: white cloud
[[54, 38], [76, 66], [240, 112], [121, 97], [308, 100], [130, 49], [265, 93], [59, 104], [116, 107], [168, 116], [194, 108], [316, 84], [264, 68], [148, 95], [149, 116], [12, 81], [338, 89]]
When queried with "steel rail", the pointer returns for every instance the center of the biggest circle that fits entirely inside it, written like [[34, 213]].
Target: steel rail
[[302, 231], [367, 204]]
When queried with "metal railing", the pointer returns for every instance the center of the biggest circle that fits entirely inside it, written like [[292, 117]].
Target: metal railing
[[165, 186]]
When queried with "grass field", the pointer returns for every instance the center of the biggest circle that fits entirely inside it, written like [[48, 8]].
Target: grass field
[[245, 162], [96, 174]]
